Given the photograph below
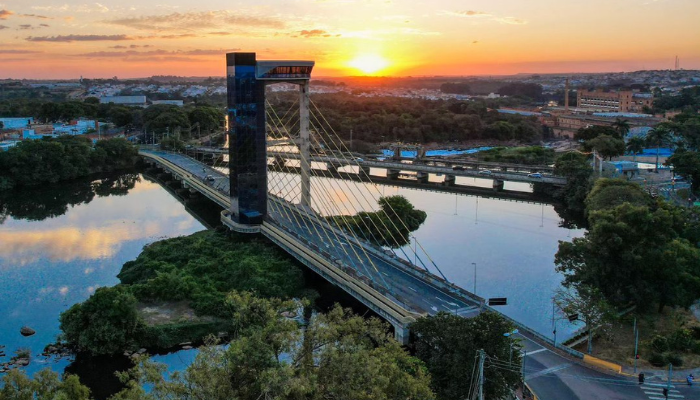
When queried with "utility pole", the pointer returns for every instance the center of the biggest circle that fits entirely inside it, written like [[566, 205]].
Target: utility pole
[[636, 343], [481, 374]]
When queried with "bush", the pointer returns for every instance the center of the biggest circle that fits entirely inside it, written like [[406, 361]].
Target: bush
[[657, 360], [681, 340], [659, 344], [674, 359]]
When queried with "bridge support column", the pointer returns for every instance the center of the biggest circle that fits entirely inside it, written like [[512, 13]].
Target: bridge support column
[[401, 334], [304, 144], [497, 185], [363, 171], [449, 180], [392, 173], [422, 177]]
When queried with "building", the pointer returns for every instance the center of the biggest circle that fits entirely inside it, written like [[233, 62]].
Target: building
[[614, 101], [178, 103], [566, 125], [137, 101], [76, 127], [16, 123]]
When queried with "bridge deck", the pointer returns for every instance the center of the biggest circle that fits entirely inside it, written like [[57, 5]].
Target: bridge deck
[[412, 288]]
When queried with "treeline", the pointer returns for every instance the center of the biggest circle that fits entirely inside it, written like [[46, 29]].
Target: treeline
[[52, 160], [383, 119], [161, 118], [687, 99]]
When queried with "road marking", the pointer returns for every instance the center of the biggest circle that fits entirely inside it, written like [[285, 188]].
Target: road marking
[[547, 371], [413, 289], [529, 353]]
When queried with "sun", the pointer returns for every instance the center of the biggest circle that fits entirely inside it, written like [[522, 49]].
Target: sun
[[369, 64]]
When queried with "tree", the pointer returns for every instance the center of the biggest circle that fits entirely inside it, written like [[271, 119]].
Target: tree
[[622, 126], [209, 118], [607, 146], [658, 136], [635, 146], [592, 132], [448, 345], [610, 193], [106, 323], [45, 385], [577, 170], [633, 254], [687, 165], [340, 356], [590, 306]]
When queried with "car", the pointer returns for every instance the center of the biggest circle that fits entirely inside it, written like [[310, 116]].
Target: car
[[358, 159], [209, 178], [458, 168], [485, 172], [535, 175]]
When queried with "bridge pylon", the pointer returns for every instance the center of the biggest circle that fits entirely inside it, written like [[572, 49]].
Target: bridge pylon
[[246, 81]]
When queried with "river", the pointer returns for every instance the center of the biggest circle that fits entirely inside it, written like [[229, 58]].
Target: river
[[58, 244]]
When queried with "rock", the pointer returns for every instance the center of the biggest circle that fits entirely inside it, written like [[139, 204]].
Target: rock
[[185, 344], [134, 355], [127, 353], [186, 347], [141, 351], [289, 314], [27, 331]]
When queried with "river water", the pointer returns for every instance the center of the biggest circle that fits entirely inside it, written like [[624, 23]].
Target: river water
[[58, 244]]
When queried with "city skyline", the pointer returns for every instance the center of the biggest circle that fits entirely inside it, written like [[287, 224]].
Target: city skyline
[[50, 40]]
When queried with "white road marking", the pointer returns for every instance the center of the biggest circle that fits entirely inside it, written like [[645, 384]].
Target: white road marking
[[529, 353]]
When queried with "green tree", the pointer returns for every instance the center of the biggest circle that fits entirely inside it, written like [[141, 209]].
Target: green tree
[[209, 118], [340, 356], [635, 146], [610, 193], [622, 126], [590, 306], [448, 345], [607, 146], [633, 255], [592, 132], [577, 170], [45, 385], [106, 323], [687, 165], [658, 136]]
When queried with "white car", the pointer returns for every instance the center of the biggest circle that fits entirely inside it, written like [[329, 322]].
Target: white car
[[535, 175], [485, 172]]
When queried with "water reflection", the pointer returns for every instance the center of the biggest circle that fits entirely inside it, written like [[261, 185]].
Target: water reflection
[[58, 244]]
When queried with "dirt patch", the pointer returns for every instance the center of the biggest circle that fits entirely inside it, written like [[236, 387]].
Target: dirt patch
[[618, 347], [169, 312]]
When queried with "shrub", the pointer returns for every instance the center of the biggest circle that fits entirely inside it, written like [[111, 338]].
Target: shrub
[[657, 360], [681, 340], [674, 359], [659, 344]]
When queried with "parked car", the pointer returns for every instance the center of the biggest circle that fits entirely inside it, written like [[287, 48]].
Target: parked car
[[209, 178], [485, 172], [458, 168], [535, 175]]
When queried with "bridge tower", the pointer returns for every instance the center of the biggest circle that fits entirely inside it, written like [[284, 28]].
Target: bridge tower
[[246, 81]]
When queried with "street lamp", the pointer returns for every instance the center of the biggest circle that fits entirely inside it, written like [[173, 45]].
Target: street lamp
[[508, 335], [474, 264]]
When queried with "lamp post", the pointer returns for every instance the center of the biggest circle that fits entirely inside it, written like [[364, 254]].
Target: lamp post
[[508, 335], [474, 264]]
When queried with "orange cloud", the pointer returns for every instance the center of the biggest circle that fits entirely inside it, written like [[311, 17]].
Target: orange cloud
[[4, 14]]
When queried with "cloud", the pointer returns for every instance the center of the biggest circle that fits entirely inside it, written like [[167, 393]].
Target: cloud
[[4, 14], [44, 25], [490, 17], [152, 53], [34, 16], [25, 26], [314, 33], [193, 21], [3, 27], [17, 51], [78, 38], [470, 13], [221, 33]]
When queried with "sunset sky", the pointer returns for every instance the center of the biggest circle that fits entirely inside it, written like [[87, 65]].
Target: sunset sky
[[128, 38]]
